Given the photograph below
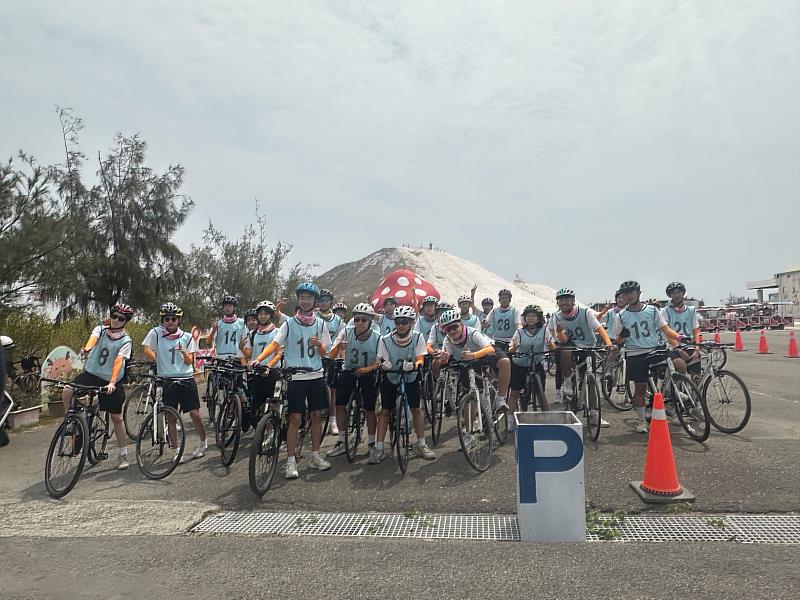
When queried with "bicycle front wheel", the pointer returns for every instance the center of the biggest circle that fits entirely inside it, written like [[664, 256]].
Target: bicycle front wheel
[[437, 411], [428, 395], [157, 454], [402, 423], [592, 415], [352, 432], [728, 401], [690, 408], [66, 456], [230, 429], [474, 432], [264, 454], [719, 357]]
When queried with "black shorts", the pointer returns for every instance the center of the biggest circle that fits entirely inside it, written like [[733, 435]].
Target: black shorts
[[519, 375], [695, 368], [344, 387], [181, 394], [501, 348], [311, 390], [110, 402], [389, 393], [262, 388], [638, 367]]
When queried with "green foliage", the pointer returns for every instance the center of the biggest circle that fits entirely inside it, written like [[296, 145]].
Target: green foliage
[[605, 526]]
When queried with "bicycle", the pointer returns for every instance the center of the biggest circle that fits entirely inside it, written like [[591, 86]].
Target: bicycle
[[228, 426], [532, 394], [680, 390], [28, 380], [138, 404], [584, 383], [444, 402], [724, 393], [356, 418], [6, 406], [77, 439], [402, 421], [614, 378], [428, 389], [160, 443], [474, 418]]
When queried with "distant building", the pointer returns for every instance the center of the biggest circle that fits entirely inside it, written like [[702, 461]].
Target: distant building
[[788, 282]]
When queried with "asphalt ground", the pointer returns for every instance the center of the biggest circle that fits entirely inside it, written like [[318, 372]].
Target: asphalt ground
[[754, 471]]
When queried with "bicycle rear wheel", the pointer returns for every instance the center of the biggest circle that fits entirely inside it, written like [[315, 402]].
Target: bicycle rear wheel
[[137, 407], [402, 423], [230, 428], [474, 432], [728, 401], [98, 438], [66, 456], [437, 413], [614, 388], [264, 454], [352, 432], [155, 449], [428, 395], [690, 408], [592, 423], [27, 382]]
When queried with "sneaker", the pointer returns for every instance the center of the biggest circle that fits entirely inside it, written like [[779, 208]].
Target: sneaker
[[333, 429], [641, 427], [604, 424], [319, 463], [423, 451], [376, 456], [122, 462], [200, 451], [500, 403], [290, 470], [337, 450]]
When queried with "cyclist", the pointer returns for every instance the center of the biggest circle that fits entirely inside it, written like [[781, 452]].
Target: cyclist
[[636, 327], [228, 330], [250, 323], [502, 321], [107, 349], [404, 349], [334, 323], [174, 350], [340, 310], [533, 337], [262, 384], [487, 304], [467, 343], [576, 327], [683, 319], [303, 339], [386, 320], [465, 305], [359, 343], [436, 337], [611, 315], [427, 319]]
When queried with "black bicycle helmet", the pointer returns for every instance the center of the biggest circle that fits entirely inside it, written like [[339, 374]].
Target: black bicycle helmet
[[629, 286], [675, 285], [504, 292], [535, 309], [229, 300], [325, 293], [487, 301], [252, 312]]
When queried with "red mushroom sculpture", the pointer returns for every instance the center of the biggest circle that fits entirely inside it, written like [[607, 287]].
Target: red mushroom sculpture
[[405, 286]]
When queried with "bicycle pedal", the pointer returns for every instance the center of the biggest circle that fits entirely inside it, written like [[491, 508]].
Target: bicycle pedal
[[102, 455]]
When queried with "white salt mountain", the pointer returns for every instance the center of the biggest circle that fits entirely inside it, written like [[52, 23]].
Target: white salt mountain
[[453, 276]]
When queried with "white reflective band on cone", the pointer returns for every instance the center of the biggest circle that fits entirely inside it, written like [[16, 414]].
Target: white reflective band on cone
[[659, 414]]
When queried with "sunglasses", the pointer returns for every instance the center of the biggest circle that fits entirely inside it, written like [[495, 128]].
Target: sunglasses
[[117, 318], [169, 319], [361, 320], [452, 327], [402, 321]]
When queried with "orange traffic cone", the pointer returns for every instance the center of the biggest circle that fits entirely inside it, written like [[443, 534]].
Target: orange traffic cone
[[716, 337], [739, 345], [792, 346], [762, 344], [660, 483]]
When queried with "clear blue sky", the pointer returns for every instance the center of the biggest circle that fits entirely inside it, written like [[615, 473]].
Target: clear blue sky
[[574, 143]]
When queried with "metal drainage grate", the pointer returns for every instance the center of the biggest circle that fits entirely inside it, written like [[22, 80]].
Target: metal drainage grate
[[408, 525], [745, 529]]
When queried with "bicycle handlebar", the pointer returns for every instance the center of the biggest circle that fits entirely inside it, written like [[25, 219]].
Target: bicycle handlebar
[[89, 389]]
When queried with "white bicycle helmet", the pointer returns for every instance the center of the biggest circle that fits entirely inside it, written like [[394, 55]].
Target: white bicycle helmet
[[266, 304], [6, 342], [405, 312], [449, 317], [464, 298], [364, 308]]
